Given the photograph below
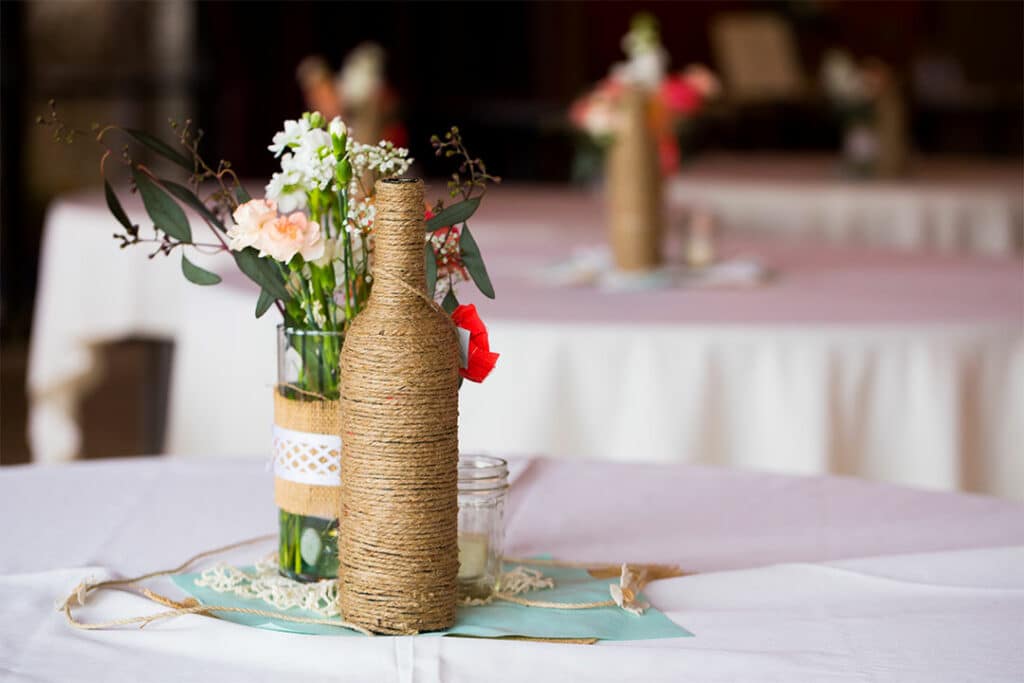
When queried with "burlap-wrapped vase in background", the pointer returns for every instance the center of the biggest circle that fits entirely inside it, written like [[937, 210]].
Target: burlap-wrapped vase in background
[[633, 186], [398, 529], [891, 124]]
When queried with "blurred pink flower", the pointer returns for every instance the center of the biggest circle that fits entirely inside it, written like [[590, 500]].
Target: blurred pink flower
[[679, 95]]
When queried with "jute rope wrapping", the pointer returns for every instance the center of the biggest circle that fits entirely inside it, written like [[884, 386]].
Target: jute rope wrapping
[[316, 417], [891, 124], [398, 543], [634, 188]]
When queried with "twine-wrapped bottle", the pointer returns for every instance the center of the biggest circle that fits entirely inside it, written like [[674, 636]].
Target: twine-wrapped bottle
[[634, 188], [398, 529]]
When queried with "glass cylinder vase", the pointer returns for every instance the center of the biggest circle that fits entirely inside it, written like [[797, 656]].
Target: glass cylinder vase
[[307, 452]]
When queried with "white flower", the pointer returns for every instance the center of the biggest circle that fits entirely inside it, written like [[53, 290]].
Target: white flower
[[313, 160], [337, 128], [360, 216], [361, 75], [330, 250], [288, 187], [841, 77], [291, 136], [627, 593], [383, 159], [600, 119], [320, 319], [645, 69]]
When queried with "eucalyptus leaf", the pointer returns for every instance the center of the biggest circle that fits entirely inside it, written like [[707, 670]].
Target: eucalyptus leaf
[[450, 303], [166, 214], [265, 301], [114, 204], [188, 197], [161, 148], [431, 263], [198, 275], [242, 195], [261, 271], [454, 214], [474, 263]]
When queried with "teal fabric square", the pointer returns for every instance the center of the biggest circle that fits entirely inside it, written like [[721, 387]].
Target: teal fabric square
[[495, 620]]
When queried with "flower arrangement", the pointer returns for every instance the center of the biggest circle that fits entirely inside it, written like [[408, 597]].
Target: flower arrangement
[[675, 98], [867, 103], [308, 245]]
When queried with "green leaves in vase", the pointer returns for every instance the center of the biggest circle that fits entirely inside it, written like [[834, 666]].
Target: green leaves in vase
[[167, 216], [197, 275], [474, 262], [157, 145], [454, 214]]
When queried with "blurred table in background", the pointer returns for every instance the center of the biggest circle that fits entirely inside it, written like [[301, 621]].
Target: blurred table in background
[[89, 293], [942, 204], [904, 367]]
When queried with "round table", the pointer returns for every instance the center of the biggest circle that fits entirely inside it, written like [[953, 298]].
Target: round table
[[797, 578], [943, 204]]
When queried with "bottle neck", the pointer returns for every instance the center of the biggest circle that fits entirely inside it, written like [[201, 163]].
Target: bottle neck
[[399, 239]]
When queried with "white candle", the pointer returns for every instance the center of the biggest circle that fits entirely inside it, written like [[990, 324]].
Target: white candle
[[472, 555], [700, 249]]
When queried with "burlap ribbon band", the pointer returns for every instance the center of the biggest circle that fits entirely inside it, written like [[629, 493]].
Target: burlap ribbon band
[[307, 449]]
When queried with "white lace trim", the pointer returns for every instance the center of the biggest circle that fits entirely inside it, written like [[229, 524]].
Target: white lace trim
[[321, 597], [307, 458], [264, 583]]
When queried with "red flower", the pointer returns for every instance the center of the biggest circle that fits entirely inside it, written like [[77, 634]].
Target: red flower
[[478, 359], [680, 95]]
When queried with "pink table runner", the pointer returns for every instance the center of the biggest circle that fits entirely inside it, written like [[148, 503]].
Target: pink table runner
[[521, 229]]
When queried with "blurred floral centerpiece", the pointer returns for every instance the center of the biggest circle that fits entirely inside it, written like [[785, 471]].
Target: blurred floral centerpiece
[[633, 118], [869, 106], [674, 98], [308, 244]]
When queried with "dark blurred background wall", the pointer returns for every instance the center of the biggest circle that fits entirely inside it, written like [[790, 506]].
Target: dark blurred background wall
[[504, 71]]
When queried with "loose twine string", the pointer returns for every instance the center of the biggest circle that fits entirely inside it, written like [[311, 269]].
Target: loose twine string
[[398, 549], [79, 594]]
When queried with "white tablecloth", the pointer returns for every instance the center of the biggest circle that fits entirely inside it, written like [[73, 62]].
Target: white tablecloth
[[942, 204], [898, 367], [799, 579]]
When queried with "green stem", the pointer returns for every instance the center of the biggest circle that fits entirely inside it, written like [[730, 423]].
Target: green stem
[[298, 544], [346, 249]]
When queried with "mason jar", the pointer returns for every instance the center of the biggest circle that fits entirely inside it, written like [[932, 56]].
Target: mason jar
[[483, 489]]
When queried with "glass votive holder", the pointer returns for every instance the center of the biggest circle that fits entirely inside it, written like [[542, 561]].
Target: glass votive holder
[[483, 488]]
